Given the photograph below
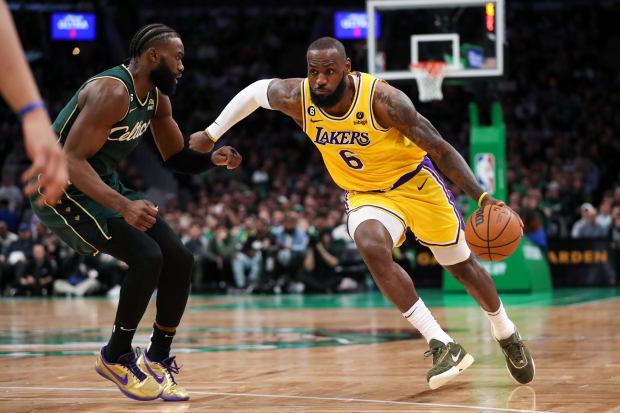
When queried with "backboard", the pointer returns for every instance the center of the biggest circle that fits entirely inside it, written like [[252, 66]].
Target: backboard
[[467, 34]]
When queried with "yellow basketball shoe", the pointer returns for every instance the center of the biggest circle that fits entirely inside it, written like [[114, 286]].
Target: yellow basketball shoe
[[162, 371], [131, 381]]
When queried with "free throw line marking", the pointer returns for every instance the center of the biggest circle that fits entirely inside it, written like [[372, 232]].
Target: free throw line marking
[[284, 396]]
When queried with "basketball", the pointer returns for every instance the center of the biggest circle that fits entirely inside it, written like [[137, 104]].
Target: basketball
[[493, 233]]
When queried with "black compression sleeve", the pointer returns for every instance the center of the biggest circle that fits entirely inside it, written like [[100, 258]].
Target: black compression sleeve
[[189, 162]]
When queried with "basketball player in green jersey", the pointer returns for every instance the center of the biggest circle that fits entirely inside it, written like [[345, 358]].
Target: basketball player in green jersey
[[378, 158], [101, 125]]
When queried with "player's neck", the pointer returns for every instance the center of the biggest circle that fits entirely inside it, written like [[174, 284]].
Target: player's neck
[[345, 103], [141, 82]]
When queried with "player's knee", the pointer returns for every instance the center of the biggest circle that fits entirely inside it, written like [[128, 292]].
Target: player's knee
[[150, 261], [185, 261], [466, 271]]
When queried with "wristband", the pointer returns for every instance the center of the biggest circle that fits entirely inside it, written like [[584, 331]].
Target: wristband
[[213, 139], [30, 107], [482, 196]]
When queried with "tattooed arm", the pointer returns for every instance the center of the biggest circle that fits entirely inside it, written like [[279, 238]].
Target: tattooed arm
[[285, 95], [393, 109], [277, 94]]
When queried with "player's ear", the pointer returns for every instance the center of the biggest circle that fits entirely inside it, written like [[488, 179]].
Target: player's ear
[[347, 66], [153, 55]]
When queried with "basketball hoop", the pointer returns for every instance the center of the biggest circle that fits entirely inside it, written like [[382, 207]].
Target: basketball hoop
[[429, 76]]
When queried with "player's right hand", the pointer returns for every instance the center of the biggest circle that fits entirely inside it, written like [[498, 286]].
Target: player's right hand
[[201, 142], [489, 200], [140, 214], [47, 157]]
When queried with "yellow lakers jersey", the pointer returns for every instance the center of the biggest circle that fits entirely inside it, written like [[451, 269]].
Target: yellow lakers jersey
[[358, 153]]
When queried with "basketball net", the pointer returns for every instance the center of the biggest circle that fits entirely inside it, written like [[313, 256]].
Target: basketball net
[[429, 76]]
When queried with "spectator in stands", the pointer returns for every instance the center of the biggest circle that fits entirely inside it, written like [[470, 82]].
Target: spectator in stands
[[292, 243], [82, 279], [604, 218], [11, 192], [257, 255], [21, 249], [196, 243], [557, 220], [320, 264], [7, 215], [6, 237], [218, 256], [36, 277], [531, 215], [587, 227]]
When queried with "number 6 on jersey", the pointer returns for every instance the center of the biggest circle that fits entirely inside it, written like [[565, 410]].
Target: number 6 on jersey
[[350, 159]]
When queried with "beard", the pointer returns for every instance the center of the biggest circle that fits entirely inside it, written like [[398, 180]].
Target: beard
[[163, 78], [327, 101]]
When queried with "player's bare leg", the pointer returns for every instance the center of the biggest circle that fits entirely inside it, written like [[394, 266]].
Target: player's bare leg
[[375, 245], [479, 284]]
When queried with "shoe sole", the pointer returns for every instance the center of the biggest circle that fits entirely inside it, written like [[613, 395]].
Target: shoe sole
[[517, 381], [174, 399], [443, 378], [131, 396]]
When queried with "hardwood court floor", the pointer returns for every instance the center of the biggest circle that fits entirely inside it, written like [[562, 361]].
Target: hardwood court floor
[[349, 353]]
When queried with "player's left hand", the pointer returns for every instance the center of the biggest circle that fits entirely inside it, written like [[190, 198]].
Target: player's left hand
[[489, 200], [48, 159], [226, 155], [200, 142]]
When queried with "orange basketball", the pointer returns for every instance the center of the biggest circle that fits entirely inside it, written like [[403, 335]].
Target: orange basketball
[[493, 233]]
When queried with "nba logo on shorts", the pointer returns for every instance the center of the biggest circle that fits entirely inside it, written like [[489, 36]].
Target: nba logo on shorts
[[484, 169]]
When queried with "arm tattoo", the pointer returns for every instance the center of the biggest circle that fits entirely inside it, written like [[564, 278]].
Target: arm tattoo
[[417, 128], [285, 95]]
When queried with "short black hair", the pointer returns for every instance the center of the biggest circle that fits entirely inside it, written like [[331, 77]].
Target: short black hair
[[324, 43], [146, 36]]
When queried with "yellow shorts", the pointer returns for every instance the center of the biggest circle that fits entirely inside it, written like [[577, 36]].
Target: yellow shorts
[[423, 203]]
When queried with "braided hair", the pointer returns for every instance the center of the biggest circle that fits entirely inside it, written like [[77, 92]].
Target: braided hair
[[147, 35]]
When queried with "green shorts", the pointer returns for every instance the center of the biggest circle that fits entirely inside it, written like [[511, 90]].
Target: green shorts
[[79, 220]]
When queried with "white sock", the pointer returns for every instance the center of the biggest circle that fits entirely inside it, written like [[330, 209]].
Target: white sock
[[500, 323], [421, 318]]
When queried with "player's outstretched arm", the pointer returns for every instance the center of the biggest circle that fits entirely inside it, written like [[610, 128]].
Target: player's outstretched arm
[[176, 156], [394, 109], [102, 103], [20, 91], [276, 94]]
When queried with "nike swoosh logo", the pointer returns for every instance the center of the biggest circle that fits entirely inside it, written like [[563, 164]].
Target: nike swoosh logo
[[454, 358], [316, 120], [422, 186], [123, 380], [159, 379]]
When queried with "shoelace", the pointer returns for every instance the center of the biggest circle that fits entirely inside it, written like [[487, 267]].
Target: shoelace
[[133, 367], [435, 352], [514, 351], [171, 366]]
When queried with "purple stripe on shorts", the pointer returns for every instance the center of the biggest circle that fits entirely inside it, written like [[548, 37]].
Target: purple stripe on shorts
[[428, 166], [451, 198]]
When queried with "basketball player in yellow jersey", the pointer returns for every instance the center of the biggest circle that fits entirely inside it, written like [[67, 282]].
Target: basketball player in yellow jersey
[[374, 145]]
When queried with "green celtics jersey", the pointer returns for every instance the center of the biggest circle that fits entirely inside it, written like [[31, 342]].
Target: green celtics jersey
[[125, 134], [78, 219]]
